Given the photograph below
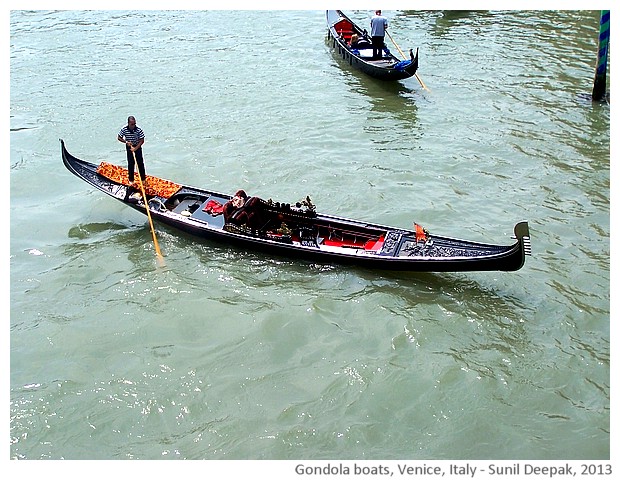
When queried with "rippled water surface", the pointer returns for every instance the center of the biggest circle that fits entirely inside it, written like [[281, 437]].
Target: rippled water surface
[[225, 354]]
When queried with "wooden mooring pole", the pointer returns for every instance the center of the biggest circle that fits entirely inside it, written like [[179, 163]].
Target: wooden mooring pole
[[599, 91]]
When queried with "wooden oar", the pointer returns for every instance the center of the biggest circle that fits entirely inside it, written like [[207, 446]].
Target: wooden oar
[[160, 258], [403, 55]]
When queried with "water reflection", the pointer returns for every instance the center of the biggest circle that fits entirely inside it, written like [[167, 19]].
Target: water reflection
[[85, 231], [386, 100], [389, 100]]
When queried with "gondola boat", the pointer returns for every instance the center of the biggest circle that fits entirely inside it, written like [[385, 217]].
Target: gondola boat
[[299, 231], [340, 28]]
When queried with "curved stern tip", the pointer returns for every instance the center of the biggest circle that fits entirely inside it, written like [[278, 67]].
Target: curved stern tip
[[522, 232]]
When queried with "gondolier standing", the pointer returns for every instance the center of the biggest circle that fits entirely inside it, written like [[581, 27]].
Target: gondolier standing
[[133, 138], [378, 26]]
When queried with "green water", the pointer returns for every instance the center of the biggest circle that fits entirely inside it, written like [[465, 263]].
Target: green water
[[225, 354]]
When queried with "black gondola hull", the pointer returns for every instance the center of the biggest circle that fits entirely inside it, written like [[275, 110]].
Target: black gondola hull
[[354, 243], [390, 68]]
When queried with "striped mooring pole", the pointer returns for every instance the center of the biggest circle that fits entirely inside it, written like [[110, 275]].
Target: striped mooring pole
[[600, 79]]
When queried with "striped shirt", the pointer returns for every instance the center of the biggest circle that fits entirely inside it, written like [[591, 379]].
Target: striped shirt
[[130, 136]]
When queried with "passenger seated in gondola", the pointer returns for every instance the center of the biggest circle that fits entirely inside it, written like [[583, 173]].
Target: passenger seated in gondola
[[359, 43], [244, 210]]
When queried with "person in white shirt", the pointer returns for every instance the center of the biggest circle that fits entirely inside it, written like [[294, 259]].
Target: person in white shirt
[[378, 26]]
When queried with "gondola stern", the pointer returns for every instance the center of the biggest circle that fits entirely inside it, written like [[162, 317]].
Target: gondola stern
[[522, 233], [413, 67], [523, 247], [63, 149], [67, 158]]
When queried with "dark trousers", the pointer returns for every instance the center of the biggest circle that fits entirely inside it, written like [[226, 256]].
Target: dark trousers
[[131, 164], [377, 47]]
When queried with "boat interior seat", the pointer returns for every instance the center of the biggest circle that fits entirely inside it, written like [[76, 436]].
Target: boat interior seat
[[212, 217], [187, 204], [344, 29], [365, 52]]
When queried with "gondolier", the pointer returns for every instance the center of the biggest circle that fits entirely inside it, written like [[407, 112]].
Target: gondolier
[[133, 138], [378, 26]]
